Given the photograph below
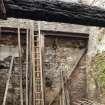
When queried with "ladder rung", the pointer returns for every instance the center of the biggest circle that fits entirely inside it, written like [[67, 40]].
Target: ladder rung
[[37, 92], [36, 58], [35, 53], [37, 78], [38, 85], [37, 65], [36, 41], [36, 46], [38, 99], [37, 71], [36, 35]]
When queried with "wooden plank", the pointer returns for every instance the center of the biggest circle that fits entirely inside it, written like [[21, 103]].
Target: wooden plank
[[27, 64], [20, 67], [8, 81], [56, 11], [30, 71], [33, 63]]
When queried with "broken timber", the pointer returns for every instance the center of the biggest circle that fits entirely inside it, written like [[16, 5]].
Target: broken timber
[[56, 11]]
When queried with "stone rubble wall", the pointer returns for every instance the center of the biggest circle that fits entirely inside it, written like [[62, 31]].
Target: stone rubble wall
[[60, 55], [8, 45], [65, 55], [96, 49], [13, 97]]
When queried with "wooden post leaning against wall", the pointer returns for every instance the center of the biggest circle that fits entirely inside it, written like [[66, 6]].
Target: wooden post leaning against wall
[[30, 68], [41, 43], [42, 38]]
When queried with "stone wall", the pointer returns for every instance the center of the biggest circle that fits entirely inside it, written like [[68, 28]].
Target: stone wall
[[13, 97], [95, 60], [61, 54], [95, 63], [8, 49]]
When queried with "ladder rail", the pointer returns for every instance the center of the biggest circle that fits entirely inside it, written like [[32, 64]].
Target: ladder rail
[[40, 48], [33, 64]]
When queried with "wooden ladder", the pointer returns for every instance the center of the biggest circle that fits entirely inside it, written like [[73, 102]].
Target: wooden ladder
[[38, 96]]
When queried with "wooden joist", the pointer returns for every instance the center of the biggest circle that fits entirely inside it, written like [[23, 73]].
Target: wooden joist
[[56, 11]]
